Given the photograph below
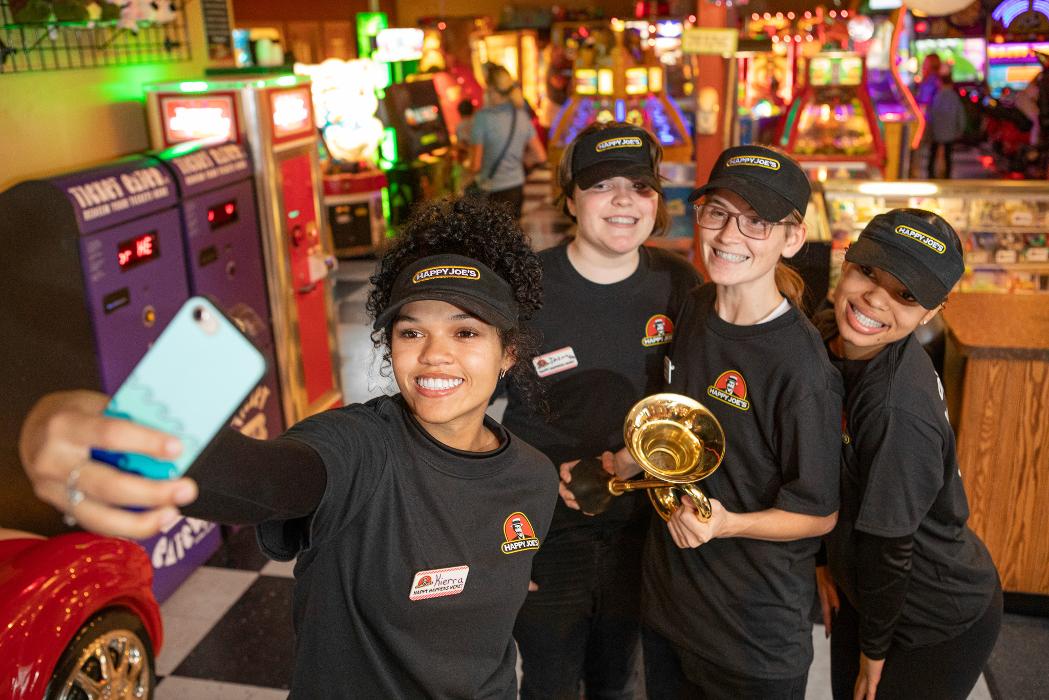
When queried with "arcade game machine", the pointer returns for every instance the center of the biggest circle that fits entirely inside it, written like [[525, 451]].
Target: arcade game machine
[[902, 122], [518, 52], [664, 36], [345, 104], [447, 59], [1011, 66], [610, 84], [97, 270], [832, 127], [273, 118], [415, 153]]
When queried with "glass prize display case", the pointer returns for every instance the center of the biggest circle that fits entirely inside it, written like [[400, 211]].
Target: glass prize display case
[[1003, 224]]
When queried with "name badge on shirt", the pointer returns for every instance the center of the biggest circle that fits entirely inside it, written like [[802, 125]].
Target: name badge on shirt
[[439, 582], [560, 360]]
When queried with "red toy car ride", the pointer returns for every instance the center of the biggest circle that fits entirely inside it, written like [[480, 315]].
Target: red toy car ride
[[78, 619]]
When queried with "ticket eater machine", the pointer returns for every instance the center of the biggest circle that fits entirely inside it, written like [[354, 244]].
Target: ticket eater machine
[[273, 119], [96, 270], [224, 259]]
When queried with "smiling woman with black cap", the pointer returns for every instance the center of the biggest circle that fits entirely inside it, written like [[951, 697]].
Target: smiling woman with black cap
[[607, 321], [726, 599], [921, 604], [414, 518]]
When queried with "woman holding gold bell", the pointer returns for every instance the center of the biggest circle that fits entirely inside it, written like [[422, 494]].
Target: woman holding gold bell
[[726, 600]]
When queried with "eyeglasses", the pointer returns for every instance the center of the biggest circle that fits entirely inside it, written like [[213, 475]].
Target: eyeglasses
[[750, 225]]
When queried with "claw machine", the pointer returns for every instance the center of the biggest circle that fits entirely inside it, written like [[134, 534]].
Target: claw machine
[[273, 117]]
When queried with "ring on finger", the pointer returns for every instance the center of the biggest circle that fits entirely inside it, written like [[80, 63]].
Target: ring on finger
[[74, 495]]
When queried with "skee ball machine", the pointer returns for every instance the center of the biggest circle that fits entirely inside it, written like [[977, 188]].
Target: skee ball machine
[[273, 117], [96, 272]]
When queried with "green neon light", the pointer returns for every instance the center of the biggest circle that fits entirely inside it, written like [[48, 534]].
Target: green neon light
[[386, 208], [286, 80], [388, 146], [193, 86], [792, 115], [369, 24], [293, 214]]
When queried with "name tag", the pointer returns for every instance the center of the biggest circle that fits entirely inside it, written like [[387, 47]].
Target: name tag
[[551, 363], [439, 582]]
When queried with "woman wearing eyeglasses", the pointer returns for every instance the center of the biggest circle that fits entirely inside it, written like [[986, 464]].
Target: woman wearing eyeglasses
[[726, 600]]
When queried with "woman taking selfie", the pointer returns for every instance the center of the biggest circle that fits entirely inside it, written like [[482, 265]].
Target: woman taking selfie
[[414, 518]]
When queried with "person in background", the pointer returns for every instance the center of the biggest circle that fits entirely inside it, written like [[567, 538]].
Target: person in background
[[918, 601], [726, 601], [463, 129], [946, 123], [400, 512], [611, 305], [502, 132]]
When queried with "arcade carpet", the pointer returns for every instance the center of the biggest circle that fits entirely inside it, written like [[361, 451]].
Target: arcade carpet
[[227, 630]]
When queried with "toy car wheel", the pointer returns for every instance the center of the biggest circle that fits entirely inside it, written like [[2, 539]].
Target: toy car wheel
[[111, 656]]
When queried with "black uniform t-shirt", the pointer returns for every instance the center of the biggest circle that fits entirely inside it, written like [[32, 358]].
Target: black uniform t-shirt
[[741, 603], [602, 351], [900, 477], [411, 571]]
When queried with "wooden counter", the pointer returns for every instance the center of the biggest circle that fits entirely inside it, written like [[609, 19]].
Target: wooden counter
[[998, 354]]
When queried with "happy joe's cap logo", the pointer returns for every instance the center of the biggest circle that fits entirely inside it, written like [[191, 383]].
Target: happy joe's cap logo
[[730, 388], [447, 272], [933, 244], [659, 330], [620, 142], [758, 161], [518, 535]]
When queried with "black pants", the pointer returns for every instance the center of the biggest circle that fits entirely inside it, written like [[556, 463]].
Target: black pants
[[934, 149], [944, 671], [584, 621], [671, 673], [512, 198]]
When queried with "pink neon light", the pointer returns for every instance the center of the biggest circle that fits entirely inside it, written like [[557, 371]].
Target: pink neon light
[[907, 96]]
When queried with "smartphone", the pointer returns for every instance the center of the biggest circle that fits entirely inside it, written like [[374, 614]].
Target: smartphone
[[188, 384]]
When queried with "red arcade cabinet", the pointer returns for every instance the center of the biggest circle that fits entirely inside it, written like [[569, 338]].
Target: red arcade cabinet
[[832, 128], [273, 117]]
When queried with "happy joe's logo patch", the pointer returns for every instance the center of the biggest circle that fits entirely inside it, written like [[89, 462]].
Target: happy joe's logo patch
[[757, 161], [620, 142], [658, 330], [447, 272], [518, 535], [933, 244], [730, 388]]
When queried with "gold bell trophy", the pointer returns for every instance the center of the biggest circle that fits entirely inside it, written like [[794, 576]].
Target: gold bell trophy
[[675, 439]]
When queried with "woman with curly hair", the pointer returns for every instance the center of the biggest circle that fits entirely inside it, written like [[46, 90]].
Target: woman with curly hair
[[414, 518]]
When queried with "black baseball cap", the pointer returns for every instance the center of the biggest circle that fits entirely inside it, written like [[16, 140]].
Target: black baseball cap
[[925, 258], [772, 183], [624, 151], [458, 280]]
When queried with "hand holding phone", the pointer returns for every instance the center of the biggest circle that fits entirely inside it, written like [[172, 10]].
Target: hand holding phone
[[188, 384]]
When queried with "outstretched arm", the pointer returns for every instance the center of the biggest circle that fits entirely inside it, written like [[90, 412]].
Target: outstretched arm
[[61, 429]]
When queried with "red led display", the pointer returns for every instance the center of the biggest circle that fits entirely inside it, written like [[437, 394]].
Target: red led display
[[138, 250], [222, 214]]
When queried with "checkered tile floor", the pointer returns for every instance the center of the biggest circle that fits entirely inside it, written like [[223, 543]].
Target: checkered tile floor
[[227, 630]]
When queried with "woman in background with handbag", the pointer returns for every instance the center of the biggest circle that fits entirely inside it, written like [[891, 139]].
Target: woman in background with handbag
[[501, 134]]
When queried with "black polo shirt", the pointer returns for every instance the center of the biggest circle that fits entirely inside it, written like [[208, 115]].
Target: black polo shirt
[[744, 604], [900, 477], [412, 569]]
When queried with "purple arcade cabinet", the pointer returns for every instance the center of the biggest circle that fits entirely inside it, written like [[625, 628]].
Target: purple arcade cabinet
[[94, 270], [223, 248]]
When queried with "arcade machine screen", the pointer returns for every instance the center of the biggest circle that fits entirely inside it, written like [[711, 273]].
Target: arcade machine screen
[[1012, 66], [965, 56], [414, 111], [834, 120], [211, 118]]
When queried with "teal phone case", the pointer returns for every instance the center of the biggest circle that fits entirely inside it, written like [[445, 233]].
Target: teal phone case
[[188, 384]]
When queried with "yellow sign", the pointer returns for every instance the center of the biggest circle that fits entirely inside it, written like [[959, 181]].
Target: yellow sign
[[707, 41]]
